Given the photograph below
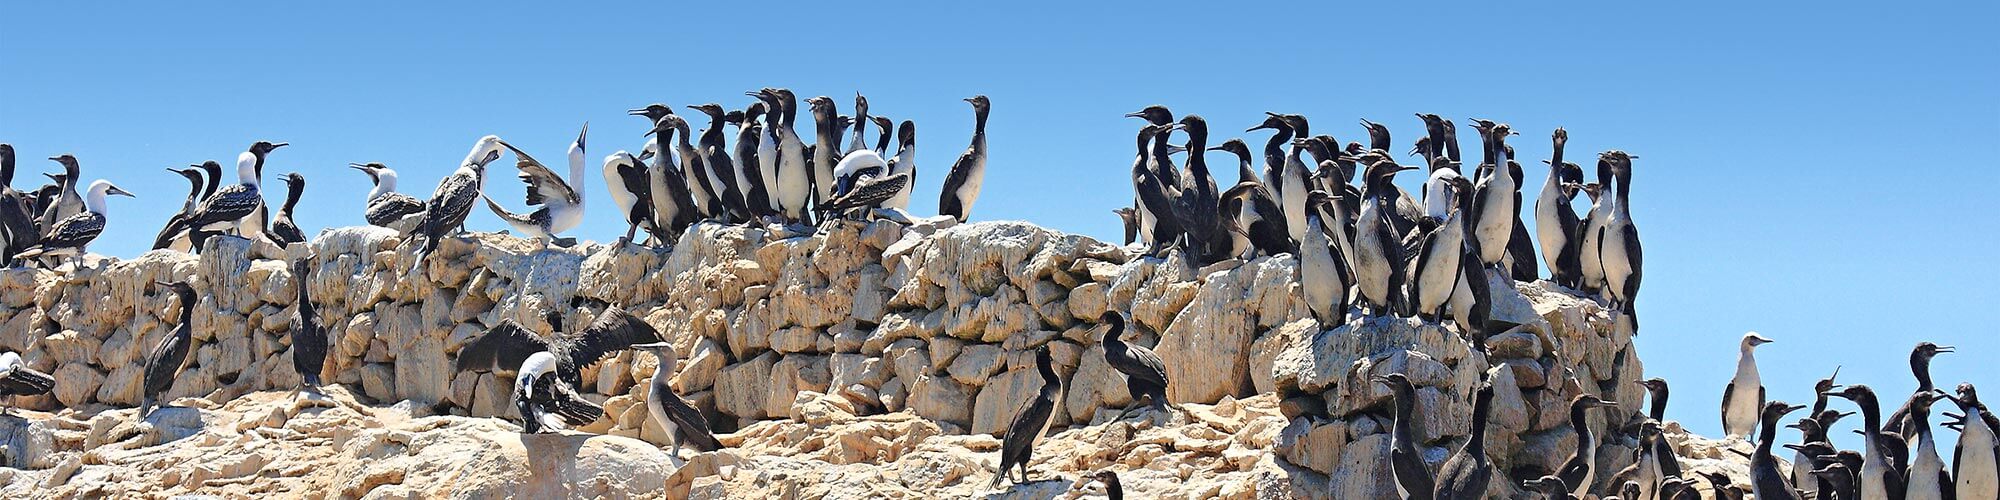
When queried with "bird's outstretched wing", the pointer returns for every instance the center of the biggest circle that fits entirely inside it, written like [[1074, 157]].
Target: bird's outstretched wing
[[502, 347], [614, 330], [543, 183]]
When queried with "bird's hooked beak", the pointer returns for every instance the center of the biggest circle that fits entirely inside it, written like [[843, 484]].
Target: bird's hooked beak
[[636, 112], [358, 166], [1134, 114], [276, 145], [1945, 348]]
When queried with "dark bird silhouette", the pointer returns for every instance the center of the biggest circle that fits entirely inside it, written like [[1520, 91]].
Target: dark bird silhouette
[[1031, 422], [171, 354]]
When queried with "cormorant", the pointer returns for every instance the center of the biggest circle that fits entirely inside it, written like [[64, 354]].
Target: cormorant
[[961, 187], [308, 336], [1465, 475], [284, 231], [171, 354], [1412, 476], [1031, 422], [1145, 374], [1765, 480], [683, 423]]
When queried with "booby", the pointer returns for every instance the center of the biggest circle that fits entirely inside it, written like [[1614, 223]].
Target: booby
[[561, 202], [1619, 245], [825, 148], [452, 201], [1976, 460], [17, 379], [1112, 490], [386, 207], [171, 354], [1878, 478], [549, 370], [669, 193], [715, 157], [66, 202], [1435, 277], [749, 168], [1494, 207], [1158, 228], [1580, 470], [1145, 374], [1556, 223], [1465, 475], [255, 225], [174, 235], [1765, 480], [1031, 422], [69, 236], [1378, 251], [683, 423], [1927, 479], [284, 231], [1412, 476], [869, 190], [1249, 211], [308, 336], [1324, 276], [230, 206], [1920, 366], [961, 186], [1744, 396], [858, 162], [905, 162]]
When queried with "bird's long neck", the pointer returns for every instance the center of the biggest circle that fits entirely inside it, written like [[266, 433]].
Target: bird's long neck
[[292, 192], [385, 183], [1274, 150], [1112, 490], [1765, 436], [859, 140], [1579, 421], [1871, 417], [1623, 198], [576, 169], [300, 272], [1920, 365], [1475, 445], [1406, 405], [186, 315], [1197, 150], [194, 194], [214, 175], [1659, 409], [249, 169]]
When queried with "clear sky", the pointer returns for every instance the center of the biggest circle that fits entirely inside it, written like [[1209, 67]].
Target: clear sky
[[1815, 174]]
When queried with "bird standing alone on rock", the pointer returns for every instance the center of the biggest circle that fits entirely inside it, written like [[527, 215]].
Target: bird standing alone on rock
[[1031, 422], [171, 354], [968, 174], [683, 423], [308, 336], [1744, 397], [452, 201]]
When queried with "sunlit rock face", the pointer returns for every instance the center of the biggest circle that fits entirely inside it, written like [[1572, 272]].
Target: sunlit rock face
[[863, 359]]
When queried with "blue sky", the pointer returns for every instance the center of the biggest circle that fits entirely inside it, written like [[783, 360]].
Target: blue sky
[[1813, 174]]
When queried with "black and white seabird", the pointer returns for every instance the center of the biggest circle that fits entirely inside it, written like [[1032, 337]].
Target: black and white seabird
[[1324, 276], [683, 423], [702, 187], [174, 235], [1465, 475], [230, 207], [256, 226], [857, 163], [1412, 476], [1291, 180], [1744, 397], [905, 162], [961, 186], [1378, 250], [1248, 210], [561, 201], [1494, 205], [171, 354], [825, 150], [868, 190], [1551, 487], [1435, 276], [749, 169], [765, 148], [1878, 477], [1147, 165], [794, 177], [1145, 374], [17, 379], [69, 236], [1621, 255], [1920, 366], [1158, 228], [669, 193], [1766, 481], [1657, 391], [452, 201], [1926, 475], [1642, 478], [66, 202], [1196, 205], [1591, 257], [1806, 459], [1976, 460], [1580, 471], [284, 231], [715, 157], [1030, 423], [308, 335], [1838, 478], [386, 207], [547, 371], [1556, 222], [1274, 158]]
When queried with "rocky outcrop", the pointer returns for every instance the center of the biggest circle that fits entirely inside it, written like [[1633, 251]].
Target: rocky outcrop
[[894, 353]]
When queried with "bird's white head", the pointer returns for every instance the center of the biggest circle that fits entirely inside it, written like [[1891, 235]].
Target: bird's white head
[[483, 152], [1752, 340], [98, 190]]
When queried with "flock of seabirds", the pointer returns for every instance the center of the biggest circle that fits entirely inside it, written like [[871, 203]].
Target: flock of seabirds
[[1365, 245]]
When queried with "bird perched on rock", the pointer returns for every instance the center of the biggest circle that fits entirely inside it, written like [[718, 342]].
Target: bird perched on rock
[[684, 423], [1030, 423], [560, 201], [285, 231], [308, 336], [386, 207], [968, 174], [452, 201], [1145, 374], [171, 354], [69, 236], [17, 379], [1413, 476], [1744, 397]]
